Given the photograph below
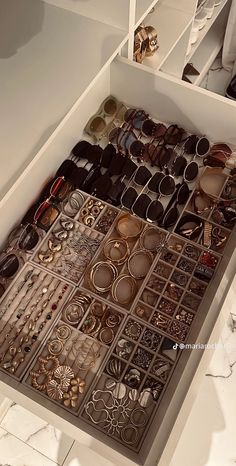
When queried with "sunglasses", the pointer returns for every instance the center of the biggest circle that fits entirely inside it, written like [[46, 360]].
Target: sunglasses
[[189, 226], [218, 155], [97, 126], [180, 198], [24, 237], [48, 211]]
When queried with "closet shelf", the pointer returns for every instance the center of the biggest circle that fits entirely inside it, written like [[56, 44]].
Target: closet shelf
[[170, 23], [207, 27]]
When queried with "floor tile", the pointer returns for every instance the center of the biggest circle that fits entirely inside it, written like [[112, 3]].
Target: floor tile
[[37, 433], [14, 452]]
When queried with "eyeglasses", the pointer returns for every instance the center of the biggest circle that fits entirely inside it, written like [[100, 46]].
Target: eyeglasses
[[47, 212]]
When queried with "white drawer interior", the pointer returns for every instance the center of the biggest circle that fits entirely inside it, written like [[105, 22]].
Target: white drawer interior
[[167, 100]]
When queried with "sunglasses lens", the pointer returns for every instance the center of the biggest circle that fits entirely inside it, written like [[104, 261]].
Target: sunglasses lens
[[171, 217], [136, 149], [191, 172], [8, 266], [129, 198], [148, 128], [110, 107], [129, 168], [142, 176], [160, 131], [164, 156], [190, 144], [154, 182], [203, 147], [155, 211], [29, 238], [173, 135], [115, 134], [140, 206], [167, 186], [115, 191], [46, 215], [183, 194], [179, 166], [117, 164], [60, 188], [97, 125], [107, 155]]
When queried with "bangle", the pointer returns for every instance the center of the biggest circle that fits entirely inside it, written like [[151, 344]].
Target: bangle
[[102, 275], [116, 250], [124, 289], [139, 263], [152, 239], [129, 226]]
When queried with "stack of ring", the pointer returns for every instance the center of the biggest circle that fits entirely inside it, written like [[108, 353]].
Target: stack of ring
[[124, 289], [128, 226], [139, 263], [116, 250], [102, 276]]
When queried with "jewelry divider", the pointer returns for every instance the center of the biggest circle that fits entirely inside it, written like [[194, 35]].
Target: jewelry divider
[[71, 370], [107, 311], [94, 237], [140, 393], [52, 293], [179, 304]]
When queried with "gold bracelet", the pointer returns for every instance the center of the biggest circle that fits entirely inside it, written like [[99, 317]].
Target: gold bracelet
[[101, 268], [116, 250], [121, 282], [139, 263], [128, 226], [152, 239]]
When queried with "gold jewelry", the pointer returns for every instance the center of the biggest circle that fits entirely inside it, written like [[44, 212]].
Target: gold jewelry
[[99, 276], [48, 364], [128, 226], [126, 285], [152, 239], [63, 332], [139, 263], [55, 347], [116, 250], [35, 380]]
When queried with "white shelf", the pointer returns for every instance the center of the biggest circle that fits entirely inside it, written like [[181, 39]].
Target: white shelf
[[143, 7], [113, 12], [206, 54], [171, 24], [48, 58], [207, 27]]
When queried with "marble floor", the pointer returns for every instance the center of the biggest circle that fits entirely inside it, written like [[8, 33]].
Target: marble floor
[[208, 439]]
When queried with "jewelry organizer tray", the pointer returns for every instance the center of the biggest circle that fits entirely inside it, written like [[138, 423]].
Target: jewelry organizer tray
[[112, 365]]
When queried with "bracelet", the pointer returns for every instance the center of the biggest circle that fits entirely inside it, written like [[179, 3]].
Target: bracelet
[[124, 289], [129, 226], [116, 250], [102, 276], [139, 263], [152, 239]]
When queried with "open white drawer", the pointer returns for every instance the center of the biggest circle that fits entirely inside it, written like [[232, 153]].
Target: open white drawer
[[168, 100]]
